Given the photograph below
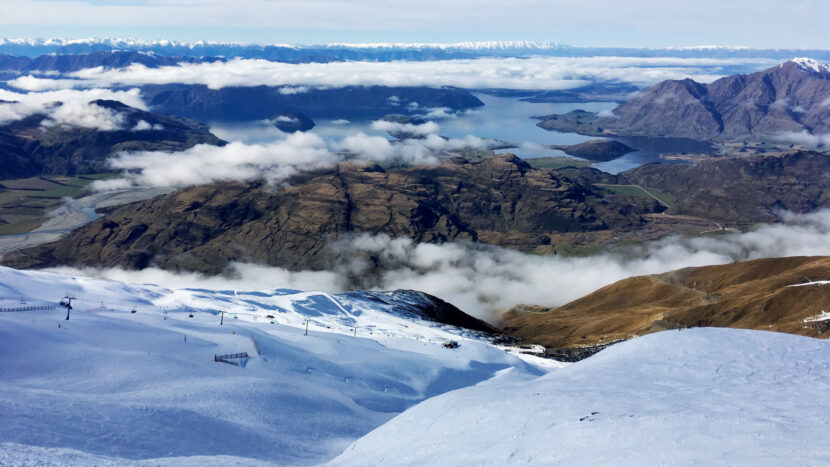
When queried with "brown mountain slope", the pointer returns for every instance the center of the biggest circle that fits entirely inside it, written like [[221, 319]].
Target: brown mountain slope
[[29, 148], [499, 200], [742, 189], [755, 294]]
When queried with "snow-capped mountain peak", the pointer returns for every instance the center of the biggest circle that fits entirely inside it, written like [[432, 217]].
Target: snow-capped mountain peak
[[478, 46], [808, 64]]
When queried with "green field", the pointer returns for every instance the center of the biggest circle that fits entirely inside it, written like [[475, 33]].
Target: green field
[[25, 202], [632, 190]]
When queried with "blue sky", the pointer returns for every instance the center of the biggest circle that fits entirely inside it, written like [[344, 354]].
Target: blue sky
[[758, 23]]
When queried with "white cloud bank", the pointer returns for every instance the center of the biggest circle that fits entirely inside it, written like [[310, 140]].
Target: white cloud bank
[[804, 138], [483, 280], [69, 107], [422, 129], [277, 161], [536, 73]]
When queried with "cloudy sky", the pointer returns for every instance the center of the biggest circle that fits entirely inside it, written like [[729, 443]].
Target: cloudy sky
[[650, 23]]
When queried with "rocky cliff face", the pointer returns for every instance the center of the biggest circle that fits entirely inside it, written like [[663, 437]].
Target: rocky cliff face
[[27, 148], [791, 97], [500, 201]]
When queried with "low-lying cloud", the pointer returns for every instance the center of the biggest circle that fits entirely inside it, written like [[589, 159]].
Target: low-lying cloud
[[804, 138], [239, 277], [482, 279], [205, 163], [277, 161], [70, 108], [422, 129], [536, 73]]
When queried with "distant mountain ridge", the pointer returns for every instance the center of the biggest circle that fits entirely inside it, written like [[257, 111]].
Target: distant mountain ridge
[[66, 63], [383, 51]]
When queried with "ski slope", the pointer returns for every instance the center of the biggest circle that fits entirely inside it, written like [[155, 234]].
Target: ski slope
[[370, 384], [114, 387], [703, 396]]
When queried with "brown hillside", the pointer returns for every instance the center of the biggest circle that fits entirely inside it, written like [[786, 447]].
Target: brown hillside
[[753, 294], [499, 200]]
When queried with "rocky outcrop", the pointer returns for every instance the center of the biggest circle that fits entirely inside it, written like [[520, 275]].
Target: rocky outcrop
[[499, 200]]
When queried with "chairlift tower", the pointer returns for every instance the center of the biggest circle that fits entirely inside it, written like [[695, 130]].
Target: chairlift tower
[[67, 303]]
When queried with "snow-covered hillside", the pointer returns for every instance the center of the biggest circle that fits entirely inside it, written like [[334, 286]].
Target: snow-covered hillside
[[692, 397], [111, 386]]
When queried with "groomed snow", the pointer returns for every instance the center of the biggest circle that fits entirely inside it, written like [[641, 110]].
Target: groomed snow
[[112, 387], [693, 397]]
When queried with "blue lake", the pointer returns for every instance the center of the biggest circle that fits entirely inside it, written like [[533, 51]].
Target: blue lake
[[503, 118]]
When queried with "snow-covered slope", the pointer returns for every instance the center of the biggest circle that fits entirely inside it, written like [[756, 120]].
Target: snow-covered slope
[[110, 386], [692, 397]]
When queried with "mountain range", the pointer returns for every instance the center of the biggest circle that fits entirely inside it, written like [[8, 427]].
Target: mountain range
[[66, 63], [380, 51], [499, 200], [789, 99]]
